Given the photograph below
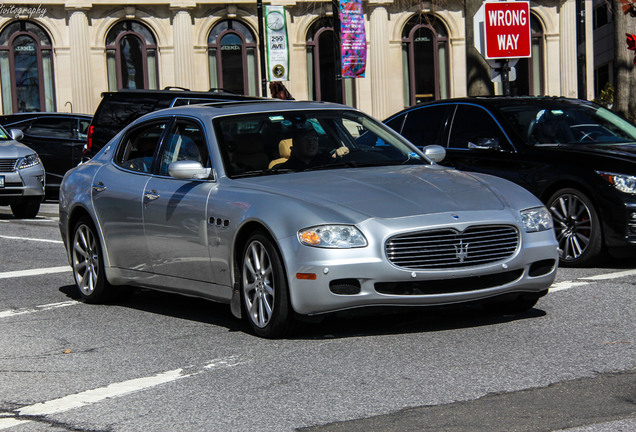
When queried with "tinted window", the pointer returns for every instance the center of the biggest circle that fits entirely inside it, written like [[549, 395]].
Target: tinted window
[[185, 142], [138, 147], [425, 126], [473, 126], [52, 127]]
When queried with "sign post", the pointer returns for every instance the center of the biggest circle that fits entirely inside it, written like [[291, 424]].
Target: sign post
[[502, 32]]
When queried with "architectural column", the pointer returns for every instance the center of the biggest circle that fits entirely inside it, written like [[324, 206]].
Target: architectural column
[[379, 68], [81, 82], [567, 31], [183, 48]]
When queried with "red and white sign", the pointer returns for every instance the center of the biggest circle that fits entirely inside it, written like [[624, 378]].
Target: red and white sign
[[507, 29]]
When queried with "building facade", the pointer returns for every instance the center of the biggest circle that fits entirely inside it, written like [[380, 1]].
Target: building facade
[[60, 56]]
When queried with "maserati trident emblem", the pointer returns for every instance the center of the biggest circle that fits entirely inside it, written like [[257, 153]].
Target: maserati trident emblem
[[461, 251]]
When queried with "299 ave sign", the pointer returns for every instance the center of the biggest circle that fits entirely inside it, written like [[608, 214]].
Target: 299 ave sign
[[507, 29]]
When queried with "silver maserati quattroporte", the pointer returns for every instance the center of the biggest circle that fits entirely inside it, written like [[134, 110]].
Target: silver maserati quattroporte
[[287, 210]]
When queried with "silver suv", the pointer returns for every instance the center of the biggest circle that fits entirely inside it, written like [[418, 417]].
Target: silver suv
[[21, 176]]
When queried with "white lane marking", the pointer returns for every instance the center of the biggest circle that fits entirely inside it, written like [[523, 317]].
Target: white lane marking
[[77, 400], [41, 308], [40, 219], [31, 239], [34, 272], [560, 286], [614, 275]]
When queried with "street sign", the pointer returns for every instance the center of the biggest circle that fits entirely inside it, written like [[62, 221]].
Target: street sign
[[507, 30]]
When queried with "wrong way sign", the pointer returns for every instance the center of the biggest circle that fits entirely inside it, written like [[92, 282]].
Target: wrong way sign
[[507, 30]]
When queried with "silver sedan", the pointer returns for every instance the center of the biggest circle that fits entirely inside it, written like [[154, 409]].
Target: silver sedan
[[290, 210]]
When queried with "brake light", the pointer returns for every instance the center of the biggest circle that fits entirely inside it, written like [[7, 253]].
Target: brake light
[[89, 140]]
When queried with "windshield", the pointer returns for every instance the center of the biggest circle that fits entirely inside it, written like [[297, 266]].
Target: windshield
[[564, 123], [292, 141]]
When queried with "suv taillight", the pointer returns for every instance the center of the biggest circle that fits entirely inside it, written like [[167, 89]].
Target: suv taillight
[[89, 141]]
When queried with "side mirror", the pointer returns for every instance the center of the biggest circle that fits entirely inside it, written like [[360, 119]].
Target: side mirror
[[16, 134], [485, 144], [436, 153], [189, 170]]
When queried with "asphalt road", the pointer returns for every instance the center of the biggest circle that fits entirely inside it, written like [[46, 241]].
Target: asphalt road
[[160, 362]]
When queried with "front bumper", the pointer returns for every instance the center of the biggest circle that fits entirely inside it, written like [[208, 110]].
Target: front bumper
[[27, 183], [329, 280]]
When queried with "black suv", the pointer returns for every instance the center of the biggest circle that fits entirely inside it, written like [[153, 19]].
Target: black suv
[[57, 138], [118, 109]]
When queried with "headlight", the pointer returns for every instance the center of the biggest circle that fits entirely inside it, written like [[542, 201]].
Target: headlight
[[29, 161], [332, 236], [624, 183], [536, 219]]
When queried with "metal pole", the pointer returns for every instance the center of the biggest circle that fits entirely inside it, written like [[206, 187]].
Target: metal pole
[[261, 47], [505, 78], [335, 4]]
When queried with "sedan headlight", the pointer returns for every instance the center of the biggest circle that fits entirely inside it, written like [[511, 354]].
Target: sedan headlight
[[624, 183], [29, 161], [332, 236], [536, 219]]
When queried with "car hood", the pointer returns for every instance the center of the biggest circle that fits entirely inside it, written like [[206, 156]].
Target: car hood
[[10, 149], [386, 192]]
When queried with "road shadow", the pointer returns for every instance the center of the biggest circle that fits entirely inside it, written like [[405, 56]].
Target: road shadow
[[371, 321]]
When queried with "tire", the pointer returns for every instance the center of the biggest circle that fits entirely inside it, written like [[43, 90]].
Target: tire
[[264, 289], [577, 228], [26, 209], [88, 263]]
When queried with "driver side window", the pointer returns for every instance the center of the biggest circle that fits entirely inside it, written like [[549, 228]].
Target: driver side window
[[185, 142], [474, 128], [138, 147]]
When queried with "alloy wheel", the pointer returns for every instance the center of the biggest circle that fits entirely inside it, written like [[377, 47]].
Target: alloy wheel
[[258, 284], [85, 259], [572, 224]]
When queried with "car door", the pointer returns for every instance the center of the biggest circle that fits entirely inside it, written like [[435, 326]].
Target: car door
[[174, 210], [477, 142], [118, 196]]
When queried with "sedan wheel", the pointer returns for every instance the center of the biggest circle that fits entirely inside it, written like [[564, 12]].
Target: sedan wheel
[[264, 288], [577, 227], [87, 263]]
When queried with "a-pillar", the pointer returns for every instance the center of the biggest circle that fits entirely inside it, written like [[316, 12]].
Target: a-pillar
[[81, 82], [183, 48]]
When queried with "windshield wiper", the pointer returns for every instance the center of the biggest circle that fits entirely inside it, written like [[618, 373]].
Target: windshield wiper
[[260, 173]]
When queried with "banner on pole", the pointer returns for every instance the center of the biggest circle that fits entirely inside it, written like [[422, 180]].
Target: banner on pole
[[277, 49], [353, 39]]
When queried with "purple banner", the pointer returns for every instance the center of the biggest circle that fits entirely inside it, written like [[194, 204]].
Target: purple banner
[[353, 37]]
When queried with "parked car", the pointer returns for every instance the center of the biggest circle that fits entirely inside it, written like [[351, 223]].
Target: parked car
[[57, 138], [184, 200], [577, 157], [21, 176], [117, 109]]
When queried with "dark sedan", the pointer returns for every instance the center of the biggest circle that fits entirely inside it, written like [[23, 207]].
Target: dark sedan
[[577, 157], [58, 139]]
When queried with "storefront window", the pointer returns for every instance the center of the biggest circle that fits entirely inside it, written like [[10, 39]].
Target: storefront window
[[131, 58], [529, 71]]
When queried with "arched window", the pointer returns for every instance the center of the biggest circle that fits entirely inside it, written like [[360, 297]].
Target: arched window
[[322, 50], [26, 68], [529, 71], [425, 60], [131, 57], [232, 58]]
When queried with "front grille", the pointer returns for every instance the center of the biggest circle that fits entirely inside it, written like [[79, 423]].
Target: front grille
[[7, 165], [449, 248]]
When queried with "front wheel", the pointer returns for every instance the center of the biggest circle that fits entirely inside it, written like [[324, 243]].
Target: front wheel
[[88, 263], [264, 288], [577, 227], [26, 209]]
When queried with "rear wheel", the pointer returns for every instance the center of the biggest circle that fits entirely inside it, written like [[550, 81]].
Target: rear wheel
[[26, 209], [577, 227], [264, 288], [88, 263]]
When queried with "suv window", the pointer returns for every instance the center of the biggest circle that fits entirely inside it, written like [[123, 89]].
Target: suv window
[[474, 126], [425, 126]]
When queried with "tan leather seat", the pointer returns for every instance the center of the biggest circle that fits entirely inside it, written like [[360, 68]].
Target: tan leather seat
[[284, 151]]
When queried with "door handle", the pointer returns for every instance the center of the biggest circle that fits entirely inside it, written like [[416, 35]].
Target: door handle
[[99, 187], [151, 195]]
